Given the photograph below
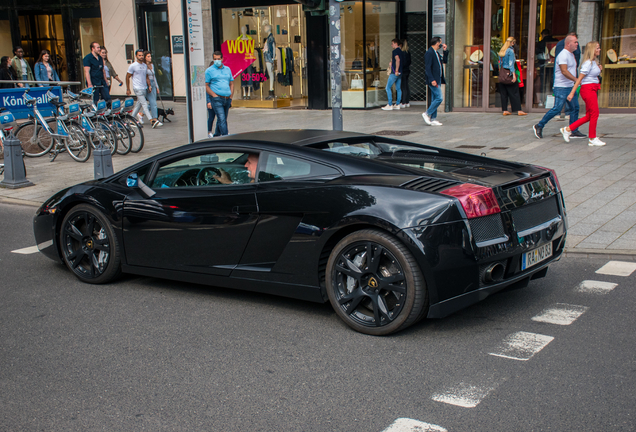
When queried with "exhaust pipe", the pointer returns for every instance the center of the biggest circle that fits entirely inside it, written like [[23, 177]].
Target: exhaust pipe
[[494, 272]]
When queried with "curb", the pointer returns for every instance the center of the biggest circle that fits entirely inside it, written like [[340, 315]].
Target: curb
[[17, 201]]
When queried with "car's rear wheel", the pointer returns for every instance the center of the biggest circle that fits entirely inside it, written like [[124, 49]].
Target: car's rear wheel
[[89, 246], [374, 283]]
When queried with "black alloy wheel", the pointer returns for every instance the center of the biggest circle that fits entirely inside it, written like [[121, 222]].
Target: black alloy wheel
[[374, 283], [89, 246]]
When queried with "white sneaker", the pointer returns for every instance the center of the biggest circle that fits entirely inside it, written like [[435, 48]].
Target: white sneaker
[[210, 135], [436, 123], [156, 123], [408, 105], [402, 106], [141, 118], [387, 108], [396, 107], [596, 142], [426, 118], [566, 134]]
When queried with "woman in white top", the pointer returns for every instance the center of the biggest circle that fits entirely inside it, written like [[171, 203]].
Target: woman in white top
[[152, 91], [590, 85]]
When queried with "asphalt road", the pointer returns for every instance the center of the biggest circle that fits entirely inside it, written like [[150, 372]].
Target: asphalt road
[[149, 354]]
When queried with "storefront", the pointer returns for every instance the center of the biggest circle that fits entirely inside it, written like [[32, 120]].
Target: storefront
[[618, 57]]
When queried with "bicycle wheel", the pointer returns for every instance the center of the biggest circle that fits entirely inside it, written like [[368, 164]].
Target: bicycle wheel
[[77, 144], [136, 133], [35, 140], [104, 133], [124, 140]]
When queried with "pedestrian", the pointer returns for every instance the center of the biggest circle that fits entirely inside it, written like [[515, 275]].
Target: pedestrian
[[138, 71], [44, 69], [510, 91], [153, 88], [21, 66], [577, 55], [406, 71], [7, 73], [435, 77], [110, 70], [395, 69], [95, 74], [565, 76], [590, 85], [220, 88]]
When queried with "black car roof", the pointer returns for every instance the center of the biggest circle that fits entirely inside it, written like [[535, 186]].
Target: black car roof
[[300, 137]]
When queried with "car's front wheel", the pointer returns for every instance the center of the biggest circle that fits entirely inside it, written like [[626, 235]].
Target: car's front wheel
[[374, 283], [89, 246]]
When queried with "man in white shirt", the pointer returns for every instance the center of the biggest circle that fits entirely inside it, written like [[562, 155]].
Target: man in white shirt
[[138, 72], [564, 79]]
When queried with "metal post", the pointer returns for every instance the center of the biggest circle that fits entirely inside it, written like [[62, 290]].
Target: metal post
[[14, 170], [336, 73]]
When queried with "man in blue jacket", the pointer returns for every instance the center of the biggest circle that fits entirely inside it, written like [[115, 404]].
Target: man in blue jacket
[[435, 78]]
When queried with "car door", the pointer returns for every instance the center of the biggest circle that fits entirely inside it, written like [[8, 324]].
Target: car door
[[189, 224]]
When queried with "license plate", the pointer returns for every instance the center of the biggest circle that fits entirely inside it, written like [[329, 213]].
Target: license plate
[[533, 257]]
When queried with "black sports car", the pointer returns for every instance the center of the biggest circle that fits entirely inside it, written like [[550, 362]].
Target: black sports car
[[387, 231]]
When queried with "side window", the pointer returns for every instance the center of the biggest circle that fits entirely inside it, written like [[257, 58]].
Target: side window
[[279, 167], [202, 170]]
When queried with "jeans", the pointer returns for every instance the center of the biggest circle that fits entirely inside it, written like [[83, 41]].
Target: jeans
[[220, 108], [152, 101], [397, 80], [142, 103], [560, 99], [436, 93], [589, 93], [101, 91]]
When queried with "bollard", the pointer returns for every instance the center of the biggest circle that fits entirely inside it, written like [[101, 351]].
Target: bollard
[[14, 170], [103, 161]]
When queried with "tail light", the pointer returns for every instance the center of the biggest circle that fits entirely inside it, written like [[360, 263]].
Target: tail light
[[476, 200], [556, 180]]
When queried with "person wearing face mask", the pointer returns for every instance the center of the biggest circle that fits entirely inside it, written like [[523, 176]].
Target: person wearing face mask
[[219, 85]]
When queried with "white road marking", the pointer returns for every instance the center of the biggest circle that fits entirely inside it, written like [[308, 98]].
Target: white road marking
[[595, 287], [26, 250], [617, 268], [561, 314], [522, 345], [410, 425], [464, 395]]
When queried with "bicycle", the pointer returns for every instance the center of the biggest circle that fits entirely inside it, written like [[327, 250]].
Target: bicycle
[[38, 138], [124, 138], [99, 130], [133, 126]]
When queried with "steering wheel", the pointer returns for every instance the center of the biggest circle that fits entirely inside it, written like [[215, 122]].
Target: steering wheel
[[205, 176]]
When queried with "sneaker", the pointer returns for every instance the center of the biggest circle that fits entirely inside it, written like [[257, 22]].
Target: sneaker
[[595, 142], [538, 131], [436, 123], [566, 134], [141, 118], [396, 107], [426, 118], [387, 107], [156, 123], [402, 106], [210, 135], [408, 105], [577, 134]]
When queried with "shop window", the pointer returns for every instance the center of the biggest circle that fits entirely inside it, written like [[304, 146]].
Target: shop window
[[618, 56], [380, 31], [468, 55]]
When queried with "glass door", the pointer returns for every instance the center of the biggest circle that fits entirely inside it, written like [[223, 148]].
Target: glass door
[[158, 43]]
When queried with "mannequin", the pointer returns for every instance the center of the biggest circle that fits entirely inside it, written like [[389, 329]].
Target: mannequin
[[269, 52], [246, 86]]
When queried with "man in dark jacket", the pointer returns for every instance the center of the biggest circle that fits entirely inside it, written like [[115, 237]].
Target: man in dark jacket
[[435, 78]]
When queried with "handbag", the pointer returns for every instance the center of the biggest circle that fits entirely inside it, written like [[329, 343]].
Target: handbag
[[357, 64], [357, 83], [506, 77]]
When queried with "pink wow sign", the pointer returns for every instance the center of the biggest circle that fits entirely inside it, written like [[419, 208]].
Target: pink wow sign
[[238, 54]]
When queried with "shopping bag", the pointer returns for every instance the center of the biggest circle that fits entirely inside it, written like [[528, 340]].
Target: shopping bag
[[357, 83]]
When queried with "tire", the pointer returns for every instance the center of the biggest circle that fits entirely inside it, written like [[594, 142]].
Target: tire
[[43, 143], [124, 140], [377, 297], [89, 246], [77, 145], [104, 133], [136, 133]]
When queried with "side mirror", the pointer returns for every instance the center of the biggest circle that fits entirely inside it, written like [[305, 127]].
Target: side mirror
[[133, 181]]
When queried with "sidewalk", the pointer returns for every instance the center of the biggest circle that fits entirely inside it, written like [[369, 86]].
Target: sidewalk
[[598, 182]]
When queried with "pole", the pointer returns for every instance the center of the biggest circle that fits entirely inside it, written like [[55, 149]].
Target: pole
[[336, 73]]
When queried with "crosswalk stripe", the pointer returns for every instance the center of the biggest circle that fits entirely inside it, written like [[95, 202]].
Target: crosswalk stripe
[[410, 425], [26, 250], [595, 287], [617, 268], [522, 345], [465, 395], [561, 314]]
